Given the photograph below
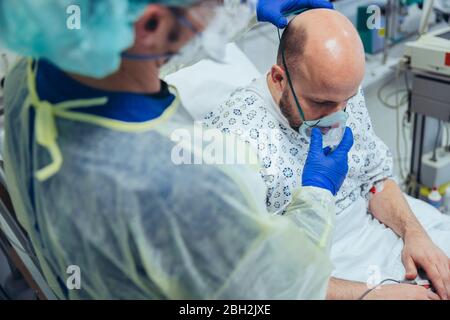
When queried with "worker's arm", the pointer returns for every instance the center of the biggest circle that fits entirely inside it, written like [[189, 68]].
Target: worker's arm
[[299, 267], [216, 240], [350, 290], [391, 208]]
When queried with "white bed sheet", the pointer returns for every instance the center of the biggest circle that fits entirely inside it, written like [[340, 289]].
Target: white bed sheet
[[364, 248]]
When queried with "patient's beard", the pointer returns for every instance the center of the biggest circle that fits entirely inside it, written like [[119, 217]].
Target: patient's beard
[[289, 112]]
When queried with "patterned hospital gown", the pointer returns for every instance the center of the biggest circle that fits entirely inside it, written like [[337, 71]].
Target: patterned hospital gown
[[252, 114]]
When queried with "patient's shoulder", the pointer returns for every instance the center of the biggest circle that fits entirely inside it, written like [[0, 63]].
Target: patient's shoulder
[[356, 107], [243, 108], [357, 102]]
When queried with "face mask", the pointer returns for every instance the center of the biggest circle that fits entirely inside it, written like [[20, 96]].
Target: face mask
[[331, 126], [229, 20]]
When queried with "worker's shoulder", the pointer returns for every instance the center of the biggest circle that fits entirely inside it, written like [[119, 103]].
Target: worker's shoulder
[[359, 116], [358, 102], [250, 97], [242, 105]]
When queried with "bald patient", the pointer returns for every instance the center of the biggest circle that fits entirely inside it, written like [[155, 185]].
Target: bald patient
[[376, 234], [325, 56]]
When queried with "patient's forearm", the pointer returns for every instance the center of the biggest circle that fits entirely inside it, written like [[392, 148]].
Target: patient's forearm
[[345, 290], [391, 208]]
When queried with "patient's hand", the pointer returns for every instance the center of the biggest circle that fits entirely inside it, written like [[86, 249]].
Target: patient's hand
[[420, 251], [401, 292]]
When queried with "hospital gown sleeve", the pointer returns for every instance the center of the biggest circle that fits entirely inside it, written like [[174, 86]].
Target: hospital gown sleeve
[[215, 240], [377, 164]]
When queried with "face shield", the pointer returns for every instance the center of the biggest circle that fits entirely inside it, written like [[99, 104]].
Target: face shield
[[214, 23], [222, 22]]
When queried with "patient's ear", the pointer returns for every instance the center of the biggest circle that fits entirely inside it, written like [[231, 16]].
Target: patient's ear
[[278, 77]]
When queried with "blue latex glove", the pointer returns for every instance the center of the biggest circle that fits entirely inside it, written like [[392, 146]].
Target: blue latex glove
[[274, 11], [325, 169]]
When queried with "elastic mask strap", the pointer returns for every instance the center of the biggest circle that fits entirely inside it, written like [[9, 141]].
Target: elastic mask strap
[[184, 21], [146, 57], [290, 80]]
